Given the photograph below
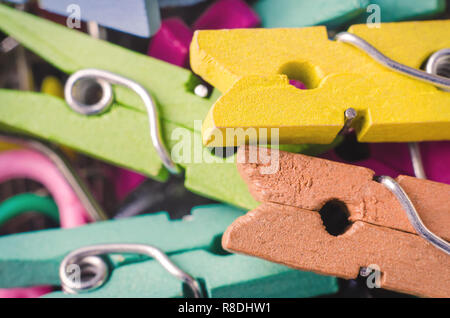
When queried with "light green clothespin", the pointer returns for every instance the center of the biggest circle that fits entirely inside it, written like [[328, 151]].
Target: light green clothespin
[[193, 245]]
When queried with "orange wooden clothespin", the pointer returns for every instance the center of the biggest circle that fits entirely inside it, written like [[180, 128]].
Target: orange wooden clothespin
[[287, 227]]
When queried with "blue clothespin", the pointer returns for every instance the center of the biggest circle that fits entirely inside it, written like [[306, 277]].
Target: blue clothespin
[[17, 1], [137, 17]]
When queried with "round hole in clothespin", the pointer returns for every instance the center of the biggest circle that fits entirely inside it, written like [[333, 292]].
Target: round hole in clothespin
[[302, 75], [334, 214]]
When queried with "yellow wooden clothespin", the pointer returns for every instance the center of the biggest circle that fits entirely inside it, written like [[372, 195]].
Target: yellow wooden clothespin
[[253, 67]]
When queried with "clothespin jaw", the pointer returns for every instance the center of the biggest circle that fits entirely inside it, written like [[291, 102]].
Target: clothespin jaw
[[138, 17], [287, 227], [252, 68], [194, 246]]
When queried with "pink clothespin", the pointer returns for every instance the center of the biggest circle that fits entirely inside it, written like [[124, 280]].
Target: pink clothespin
[[393, 159], [33, 165], [171, 42]]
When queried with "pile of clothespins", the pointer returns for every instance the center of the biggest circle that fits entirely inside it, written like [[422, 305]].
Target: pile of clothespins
[[298, 148]]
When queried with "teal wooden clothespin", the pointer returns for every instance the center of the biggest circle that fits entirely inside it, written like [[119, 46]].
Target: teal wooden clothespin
[[299, 13], [193, 244], [400, 10], [138, 17], [334, 13], [27, 202], [120, 136]]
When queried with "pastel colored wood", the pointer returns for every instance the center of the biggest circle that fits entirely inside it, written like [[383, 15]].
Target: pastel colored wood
[[227, 14], [287, 228], [392, 159], [138, 17], [51, 85], [333, 13], [299, 13], [120, 136], [13, 207], [254, 77], [193, 244], [167, 83]]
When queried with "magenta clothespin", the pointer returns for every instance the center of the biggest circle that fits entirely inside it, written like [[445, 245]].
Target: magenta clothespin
[[27, 292], [297, 83], [33, 165], [227, 14], [436, 160], [392, 159], [126, 181]]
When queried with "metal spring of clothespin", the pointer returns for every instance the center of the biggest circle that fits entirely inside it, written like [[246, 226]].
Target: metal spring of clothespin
[[91, 205], [85, 79], [428, 77], [436, 64], [89, 256], [412, 214]]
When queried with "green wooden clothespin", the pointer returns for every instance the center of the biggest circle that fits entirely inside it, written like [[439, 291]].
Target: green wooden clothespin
[[120, 135], [30, 259], [400, 10]]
